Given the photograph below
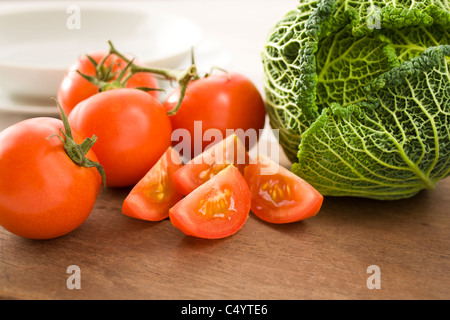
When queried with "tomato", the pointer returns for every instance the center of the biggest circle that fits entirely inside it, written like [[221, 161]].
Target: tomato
[[220, 101], [74, 88], [133, 132], [206, 165], [155, 194], [43, 193], [217, 209], [278, 195]]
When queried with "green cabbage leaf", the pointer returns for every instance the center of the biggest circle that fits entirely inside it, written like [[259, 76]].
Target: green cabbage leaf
[[360, 93]]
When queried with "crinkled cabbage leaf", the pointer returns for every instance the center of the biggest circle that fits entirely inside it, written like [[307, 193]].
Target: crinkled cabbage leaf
[[360, 92]]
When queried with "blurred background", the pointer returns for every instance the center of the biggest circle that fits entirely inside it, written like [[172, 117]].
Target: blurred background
[[40, 39]]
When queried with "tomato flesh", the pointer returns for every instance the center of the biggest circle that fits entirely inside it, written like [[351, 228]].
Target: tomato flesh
[[278, 195], [217, 209], [208, 164], [153, 196]]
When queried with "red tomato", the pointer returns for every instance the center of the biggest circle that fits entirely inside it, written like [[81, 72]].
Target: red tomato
[[155, 194], [43, 193], [278, 195], [208, 164], [74, 88], [220, 101], [217, 209], [133, 132]]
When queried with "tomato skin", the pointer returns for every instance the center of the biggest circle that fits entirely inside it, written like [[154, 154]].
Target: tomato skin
[[296, 202], [74, 88], [215, 158], [185, 215], [43, 193], [221, 101], [133, 132], [141, 202]]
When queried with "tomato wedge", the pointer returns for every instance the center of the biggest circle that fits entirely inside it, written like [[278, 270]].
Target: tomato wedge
[[153, 196], [278, 195], [208, 164], [217, 209]]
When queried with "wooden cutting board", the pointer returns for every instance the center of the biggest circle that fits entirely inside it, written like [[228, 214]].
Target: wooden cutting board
[[353, 249]]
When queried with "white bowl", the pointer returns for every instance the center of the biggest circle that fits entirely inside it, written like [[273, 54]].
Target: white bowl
[[38, 43]]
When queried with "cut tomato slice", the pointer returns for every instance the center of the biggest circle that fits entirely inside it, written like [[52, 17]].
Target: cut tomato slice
[[278, 195], [217, 209], [153, 196], [208, 164]]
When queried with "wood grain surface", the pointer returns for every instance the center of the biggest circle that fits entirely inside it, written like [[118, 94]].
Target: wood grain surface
[[324, 257]]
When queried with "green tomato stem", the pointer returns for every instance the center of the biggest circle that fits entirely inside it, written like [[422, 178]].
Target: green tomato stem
[[77, 152], [183, 77]]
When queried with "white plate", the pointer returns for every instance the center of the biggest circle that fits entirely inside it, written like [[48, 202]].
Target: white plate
[[38, 43], [26, 107], [208, 53]]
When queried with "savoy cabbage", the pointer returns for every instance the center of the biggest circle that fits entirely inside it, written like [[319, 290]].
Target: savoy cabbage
[[360, 91]]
